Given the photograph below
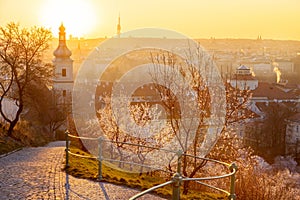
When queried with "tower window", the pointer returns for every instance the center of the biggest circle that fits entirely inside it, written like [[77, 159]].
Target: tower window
[[64, 72], [64, 93]]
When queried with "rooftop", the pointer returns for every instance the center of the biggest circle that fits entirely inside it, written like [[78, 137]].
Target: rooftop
[[273, 91], [295, 118], [243, 67]]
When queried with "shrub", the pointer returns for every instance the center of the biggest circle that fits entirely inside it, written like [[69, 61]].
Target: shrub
[[31, 135]]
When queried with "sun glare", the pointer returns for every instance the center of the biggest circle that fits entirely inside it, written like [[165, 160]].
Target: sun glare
[[78, 16]]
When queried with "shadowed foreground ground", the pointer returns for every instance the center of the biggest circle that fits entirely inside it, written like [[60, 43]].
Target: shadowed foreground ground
[[36, 173]]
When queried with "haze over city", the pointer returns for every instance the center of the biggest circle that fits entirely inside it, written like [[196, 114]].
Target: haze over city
[[197, 19], [113, 99]]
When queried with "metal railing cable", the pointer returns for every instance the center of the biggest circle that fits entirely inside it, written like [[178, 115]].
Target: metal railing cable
[[177, 178], [213, 187], [150, 190], [82, 138], [137, 164], [81, 156]]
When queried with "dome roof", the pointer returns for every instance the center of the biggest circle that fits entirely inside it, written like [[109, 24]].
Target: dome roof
[[62, 51], [62, 28]]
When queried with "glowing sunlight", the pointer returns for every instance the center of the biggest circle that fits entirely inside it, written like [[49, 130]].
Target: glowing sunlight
[[79, 17]]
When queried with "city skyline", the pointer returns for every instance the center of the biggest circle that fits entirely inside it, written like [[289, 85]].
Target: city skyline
[[197, 19]]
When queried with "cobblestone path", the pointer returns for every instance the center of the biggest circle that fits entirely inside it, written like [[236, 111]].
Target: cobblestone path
[[36, 173]]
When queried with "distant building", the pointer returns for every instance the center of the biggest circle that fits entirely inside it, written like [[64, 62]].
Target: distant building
[[259, 38], [119, 27], [263, 94], [292, 138], [279, 93], [267, 93], [285, 66], [63, 77], [144, 94], [262, 67], [243, 79], [296, 62]]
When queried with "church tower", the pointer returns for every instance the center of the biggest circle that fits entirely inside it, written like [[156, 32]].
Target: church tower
[[244, 79], [119, 27], [63, 75]]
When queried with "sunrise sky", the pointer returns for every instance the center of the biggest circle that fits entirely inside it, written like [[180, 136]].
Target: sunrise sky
[[272, 19]]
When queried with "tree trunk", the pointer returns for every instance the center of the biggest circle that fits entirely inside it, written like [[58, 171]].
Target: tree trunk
[[14, 122], [11, 128], [185, 187]]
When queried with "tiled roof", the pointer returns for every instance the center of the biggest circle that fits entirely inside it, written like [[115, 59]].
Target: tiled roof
[[295, 118], [272, 91]]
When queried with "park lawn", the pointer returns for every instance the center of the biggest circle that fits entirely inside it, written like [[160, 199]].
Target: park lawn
[[88, 169]]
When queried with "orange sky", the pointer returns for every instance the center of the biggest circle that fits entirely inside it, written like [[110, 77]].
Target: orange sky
[[272, 19]]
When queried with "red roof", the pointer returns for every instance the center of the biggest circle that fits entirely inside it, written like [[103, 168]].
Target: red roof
[[272, 91], [295, 118]]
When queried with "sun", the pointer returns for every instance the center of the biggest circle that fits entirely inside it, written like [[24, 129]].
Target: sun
[[78, 16]]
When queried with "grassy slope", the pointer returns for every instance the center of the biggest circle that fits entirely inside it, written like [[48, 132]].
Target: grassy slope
[[24, 134], [88, 168], [7, 145]]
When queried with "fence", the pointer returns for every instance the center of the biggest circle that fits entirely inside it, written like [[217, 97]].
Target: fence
[[177, 178]]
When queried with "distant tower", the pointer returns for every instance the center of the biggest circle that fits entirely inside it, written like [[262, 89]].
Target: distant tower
[[63, 75], [259, 38], [243, 79], [119, 27]]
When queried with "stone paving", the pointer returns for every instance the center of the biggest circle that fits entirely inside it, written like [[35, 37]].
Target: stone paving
[[36, 173]]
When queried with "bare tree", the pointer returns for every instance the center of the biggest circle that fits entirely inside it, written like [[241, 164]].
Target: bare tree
[[237, 110], [274, 125], [115, 128], [21, 52], [183, 92], [110, 126], [43, 109], [236, 107]]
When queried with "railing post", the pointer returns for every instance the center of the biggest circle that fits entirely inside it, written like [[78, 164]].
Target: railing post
[[100, 158], [177, 178], [232, 196], [67, 148]]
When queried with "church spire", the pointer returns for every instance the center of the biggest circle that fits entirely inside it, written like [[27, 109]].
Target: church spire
[[63, 73], [62, 50], [119, 26], [62, 33]]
